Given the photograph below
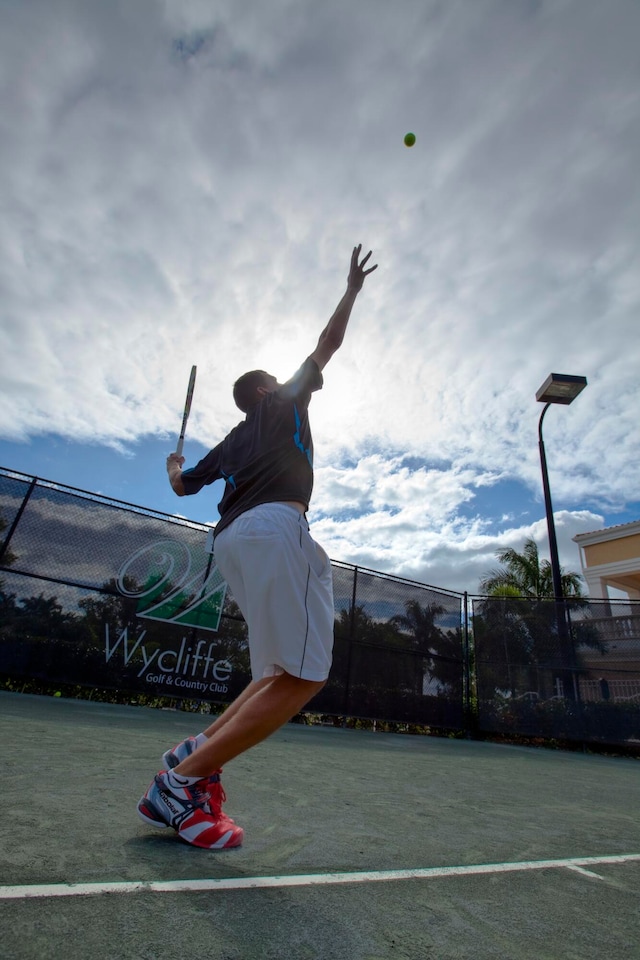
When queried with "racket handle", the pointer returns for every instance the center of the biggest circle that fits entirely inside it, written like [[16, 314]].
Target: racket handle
[[179, 446]]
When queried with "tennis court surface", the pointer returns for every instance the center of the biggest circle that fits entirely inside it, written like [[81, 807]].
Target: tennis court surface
[[358, 846]]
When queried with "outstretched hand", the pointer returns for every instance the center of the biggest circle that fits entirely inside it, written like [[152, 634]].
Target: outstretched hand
[[333, 334], [357, 273]]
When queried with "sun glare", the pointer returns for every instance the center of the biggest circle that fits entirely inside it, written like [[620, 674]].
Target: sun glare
[[283, 359]]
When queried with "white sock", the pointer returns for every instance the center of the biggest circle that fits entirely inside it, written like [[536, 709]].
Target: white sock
[[176, 780]]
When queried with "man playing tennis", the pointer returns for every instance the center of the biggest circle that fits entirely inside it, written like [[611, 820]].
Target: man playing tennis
[[279, 576]]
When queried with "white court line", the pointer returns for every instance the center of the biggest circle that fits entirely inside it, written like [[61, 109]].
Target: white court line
[[27, 891], [585, 873]]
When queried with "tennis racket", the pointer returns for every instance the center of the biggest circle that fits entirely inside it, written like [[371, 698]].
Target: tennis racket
[[187, 409]]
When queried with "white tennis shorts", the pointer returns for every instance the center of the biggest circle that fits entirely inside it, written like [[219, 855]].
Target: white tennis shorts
[[281, 580]]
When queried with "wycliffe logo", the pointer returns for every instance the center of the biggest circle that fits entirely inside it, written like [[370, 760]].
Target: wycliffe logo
[[174, 583], [188, 667]]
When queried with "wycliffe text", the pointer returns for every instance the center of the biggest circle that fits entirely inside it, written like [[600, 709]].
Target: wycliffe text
[[188, 667]]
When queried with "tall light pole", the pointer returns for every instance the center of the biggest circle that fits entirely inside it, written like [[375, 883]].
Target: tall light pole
[[557, 388]]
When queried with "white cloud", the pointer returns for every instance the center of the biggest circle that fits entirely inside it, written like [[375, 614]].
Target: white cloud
[[386, 516]]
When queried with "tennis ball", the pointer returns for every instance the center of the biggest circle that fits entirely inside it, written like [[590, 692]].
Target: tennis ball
[[409, 139], [57, 694]]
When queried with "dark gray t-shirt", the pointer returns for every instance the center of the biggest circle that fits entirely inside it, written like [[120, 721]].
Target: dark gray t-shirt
[[268, 457]]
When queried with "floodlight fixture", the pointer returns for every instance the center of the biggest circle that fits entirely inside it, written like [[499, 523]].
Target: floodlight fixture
[[560, 388]]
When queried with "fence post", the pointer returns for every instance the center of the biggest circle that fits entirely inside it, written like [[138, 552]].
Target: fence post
[[347, 686], [7, 540], [466, 653]]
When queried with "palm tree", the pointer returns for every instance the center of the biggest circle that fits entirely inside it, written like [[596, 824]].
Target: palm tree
[[517, 624], [419, 622], [525, 575]]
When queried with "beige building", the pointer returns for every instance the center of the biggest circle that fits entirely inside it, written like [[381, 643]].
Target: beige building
[[611, 558], [610, 561]]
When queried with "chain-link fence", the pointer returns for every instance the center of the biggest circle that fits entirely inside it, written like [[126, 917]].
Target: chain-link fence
[[100, 593], [97, 592], [567, 671]]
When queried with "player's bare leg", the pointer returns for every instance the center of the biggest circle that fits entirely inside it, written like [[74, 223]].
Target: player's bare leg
[[235, 705], [181, 751], [268, 705]]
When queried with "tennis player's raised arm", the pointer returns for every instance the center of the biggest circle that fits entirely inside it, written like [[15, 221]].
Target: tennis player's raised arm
[[333, 334], [174, 469]]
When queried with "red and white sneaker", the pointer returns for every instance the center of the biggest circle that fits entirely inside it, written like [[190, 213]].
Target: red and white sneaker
[[217, 796], [171, 758], [191, 810]]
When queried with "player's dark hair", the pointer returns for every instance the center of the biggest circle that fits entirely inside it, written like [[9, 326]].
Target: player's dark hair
[[245, 389]]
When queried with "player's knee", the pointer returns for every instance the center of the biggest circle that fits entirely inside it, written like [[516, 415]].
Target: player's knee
[[314, 688], [308, 688]]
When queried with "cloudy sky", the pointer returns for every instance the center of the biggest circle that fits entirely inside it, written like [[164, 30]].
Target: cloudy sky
[[183, 182]]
